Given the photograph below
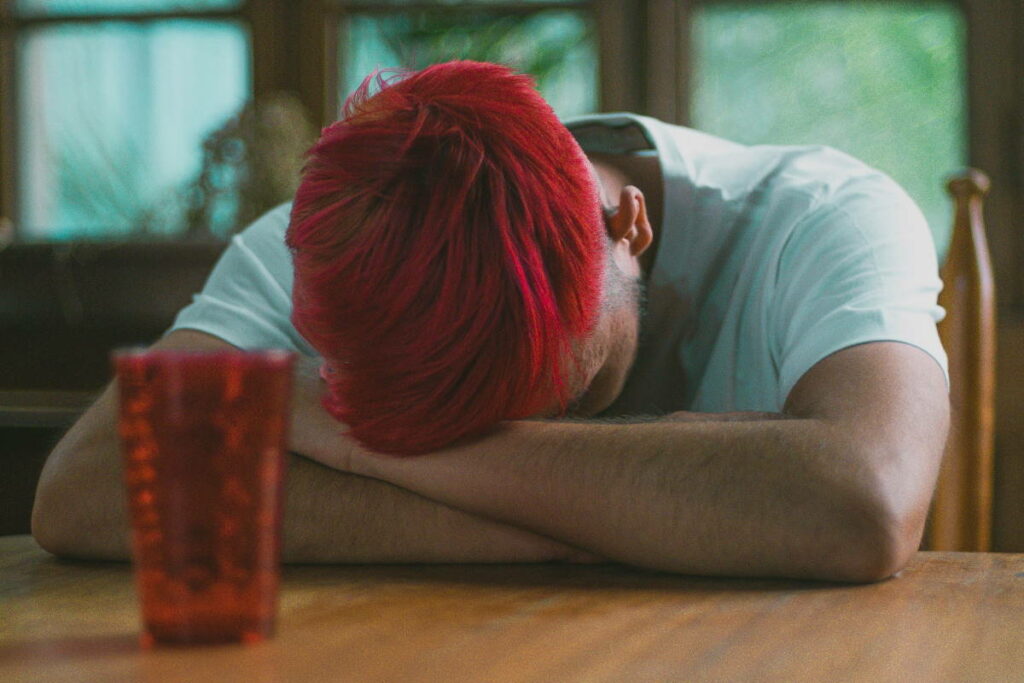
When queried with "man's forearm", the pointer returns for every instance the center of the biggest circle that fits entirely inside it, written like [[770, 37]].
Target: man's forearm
[[330, 516], [333, 516], [737, 498], [840, 490]]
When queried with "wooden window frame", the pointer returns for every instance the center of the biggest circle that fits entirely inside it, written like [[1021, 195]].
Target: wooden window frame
[[294, 49], [632, 35], [11, 25]]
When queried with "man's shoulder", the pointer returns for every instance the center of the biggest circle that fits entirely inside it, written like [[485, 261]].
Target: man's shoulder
[[730, 171], [271, 226]]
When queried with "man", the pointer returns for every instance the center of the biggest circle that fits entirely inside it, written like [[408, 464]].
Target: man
[[784, 413]]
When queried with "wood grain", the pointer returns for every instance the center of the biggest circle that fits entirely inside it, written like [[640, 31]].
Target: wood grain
[[948, 616], [961, 515]]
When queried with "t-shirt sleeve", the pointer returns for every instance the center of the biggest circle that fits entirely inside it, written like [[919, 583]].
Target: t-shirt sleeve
[[862, 270], [246, 300]]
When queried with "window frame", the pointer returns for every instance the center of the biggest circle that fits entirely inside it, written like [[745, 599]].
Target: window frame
[[12, 24], [631, 34]]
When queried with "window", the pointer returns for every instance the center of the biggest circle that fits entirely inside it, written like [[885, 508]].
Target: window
[[883, 82], [556, 46], [72, 8], [886, 82], [121, 117], [111, 108]]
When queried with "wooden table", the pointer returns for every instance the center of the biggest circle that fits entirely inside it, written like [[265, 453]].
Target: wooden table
[[949, 616]]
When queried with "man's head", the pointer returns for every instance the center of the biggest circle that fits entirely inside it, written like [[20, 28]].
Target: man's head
[[450, 257]]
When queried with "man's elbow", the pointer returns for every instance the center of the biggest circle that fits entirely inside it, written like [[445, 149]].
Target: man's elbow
[[46, 527], [78, 520], [877, 556], [885, 533], [59, 531], [55, 525]]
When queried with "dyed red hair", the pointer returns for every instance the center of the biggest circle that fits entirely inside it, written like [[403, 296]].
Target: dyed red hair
[[448, 250]]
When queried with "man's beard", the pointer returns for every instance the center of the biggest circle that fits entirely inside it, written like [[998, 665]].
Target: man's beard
[[624, 291]]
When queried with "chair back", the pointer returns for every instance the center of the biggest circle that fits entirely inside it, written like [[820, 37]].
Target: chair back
[[961, 514]]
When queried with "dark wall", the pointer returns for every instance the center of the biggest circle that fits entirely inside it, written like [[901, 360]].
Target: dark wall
[[62, 310]]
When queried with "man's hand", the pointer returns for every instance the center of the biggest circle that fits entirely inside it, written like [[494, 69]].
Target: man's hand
[[313, 432], [839, 490]]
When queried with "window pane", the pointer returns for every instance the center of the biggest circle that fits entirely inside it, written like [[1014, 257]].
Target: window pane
[[398, 3], [78, 7], [112, 120], [556, 47], [883, 82]]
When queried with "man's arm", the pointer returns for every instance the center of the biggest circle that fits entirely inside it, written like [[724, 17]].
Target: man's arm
[[839, 491], [330, 516]]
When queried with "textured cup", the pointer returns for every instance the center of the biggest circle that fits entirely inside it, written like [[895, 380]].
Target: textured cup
[[203, 436]]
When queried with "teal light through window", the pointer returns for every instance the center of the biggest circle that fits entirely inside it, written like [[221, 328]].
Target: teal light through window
[[557, 47], [881, 81], [112, 118], [79, 7]]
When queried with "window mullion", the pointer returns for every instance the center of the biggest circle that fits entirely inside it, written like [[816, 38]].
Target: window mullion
[[8, 136], [311, 43], [995, 101], [667, 60], [620, 40]]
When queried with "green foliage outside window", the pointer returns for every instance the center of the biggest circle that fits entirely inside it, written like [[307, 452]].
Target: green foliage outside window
[[883, 82], [556, 47]]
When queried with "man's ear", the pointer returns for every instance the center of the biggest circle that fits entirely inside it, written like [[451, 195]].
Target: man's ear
[[630, 222]]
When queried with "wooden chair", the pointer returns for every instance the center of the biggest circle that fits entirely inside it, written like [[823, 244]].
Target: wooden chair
[[961, 515]]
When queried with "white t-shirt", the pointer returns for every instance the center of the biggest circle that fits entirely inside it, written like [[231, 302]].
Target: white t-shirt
[[770, 259]]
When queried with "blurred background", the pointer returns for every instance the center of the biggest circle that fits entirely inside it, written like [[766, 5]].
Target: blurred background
[[118, 114], [137, 135]]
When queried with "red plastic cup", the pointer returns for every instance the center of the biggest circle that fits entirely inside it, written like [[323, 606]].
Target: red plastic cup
[[203, 436]]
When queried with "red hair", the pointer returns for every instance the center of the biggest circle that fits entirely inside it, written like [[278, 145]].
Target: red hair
[[448, 250]]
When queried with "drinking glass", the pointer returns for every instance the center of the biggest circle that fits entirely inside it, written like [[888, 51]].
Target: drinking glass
[[203, 436]]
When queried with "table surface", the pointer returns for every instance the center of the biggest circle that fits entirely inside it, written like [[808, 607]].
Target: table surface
[[948, 616]]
